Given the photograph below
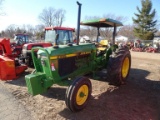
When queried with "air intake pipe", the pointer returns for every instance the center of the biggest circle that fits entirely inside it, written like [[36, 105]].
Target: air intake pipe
[[78, 21]]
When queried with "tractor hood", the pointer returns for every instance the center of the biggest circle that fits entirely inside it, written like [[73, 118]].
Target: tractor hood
[[65, 49]]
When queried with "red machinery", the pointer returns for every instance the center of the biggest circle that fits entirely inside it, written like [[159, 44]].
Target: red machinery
[[50, 36], [16, 46], [19, 40], [138, 47], [151, 49], [10, 68], [12, 55]]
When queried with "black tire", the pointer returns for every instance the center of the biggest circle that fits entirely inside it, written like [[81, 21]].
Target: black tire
[[80, 86], [118, 67]]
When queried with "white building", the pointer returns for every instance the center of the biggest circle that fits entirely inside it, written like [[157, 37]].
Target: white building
[[156, 39], [121, 38], [83, 39]]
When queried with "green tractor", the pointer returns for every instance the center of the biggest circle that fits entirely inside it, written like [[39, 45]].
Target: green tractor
[[68, 64]]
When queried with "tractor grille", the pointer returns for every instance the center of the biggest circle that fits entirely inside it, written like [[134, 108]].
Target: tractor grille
[[66, 66]]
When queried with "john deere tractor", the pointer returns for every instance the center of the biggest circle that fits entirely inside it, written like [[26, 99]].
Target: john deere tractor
[[68, 64]]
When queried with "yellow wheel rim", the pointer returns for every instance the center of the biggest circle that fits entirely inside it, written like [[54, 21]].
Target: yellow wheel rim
[[125, 67], [82, 95]]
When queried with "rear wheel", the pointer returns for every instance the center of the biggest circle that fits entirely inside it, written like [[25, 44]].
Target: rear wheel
[[119, 66], [78, 94]]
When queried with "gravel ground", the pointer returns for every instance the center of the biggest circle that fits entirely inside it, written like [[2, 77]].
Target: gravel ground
[[139, 99]]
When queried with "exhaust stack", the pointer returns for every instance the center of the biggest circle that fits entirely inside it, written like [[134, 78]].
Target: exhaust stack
[[78, 21]]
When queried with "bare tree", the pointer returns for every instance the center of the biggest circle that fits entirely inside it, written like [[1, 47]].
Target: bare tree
[[127, 31], [29, 29], [10, 31], [52, 17], [47, 16], [107, 32], [39, 28], [39, 31], [59, 17], [89, 31]]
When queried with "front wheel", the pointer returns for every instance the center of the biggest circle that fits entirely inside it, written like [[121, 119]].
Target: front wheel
[[78, 94], [119, 66]]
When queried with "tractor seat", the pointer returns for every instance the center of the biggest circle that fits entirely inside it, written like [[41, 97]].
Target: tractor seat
[[103, 44], [101, 47]]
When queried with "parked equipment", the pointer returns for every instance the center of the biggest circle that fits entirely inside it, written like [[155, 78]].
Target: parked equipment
[[16, 46], [10, 68], [139, 46], [14, 53], [151, 49], [68, 64], [64, 34]]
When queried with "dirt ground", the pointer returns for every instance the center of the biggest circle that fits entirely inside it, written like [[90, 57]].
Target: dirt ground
[[139, 99]]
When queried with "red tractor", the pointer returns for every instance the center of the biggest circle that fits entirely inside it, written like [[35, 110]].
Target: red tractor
[[62, 35], [16, 46], [19, 40]]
